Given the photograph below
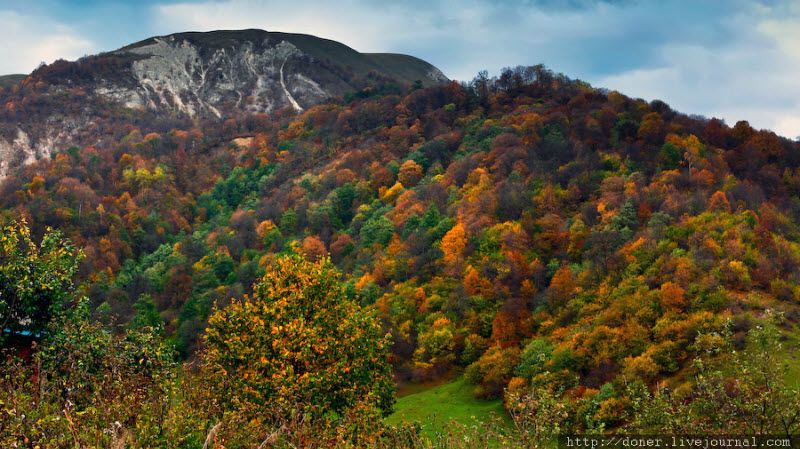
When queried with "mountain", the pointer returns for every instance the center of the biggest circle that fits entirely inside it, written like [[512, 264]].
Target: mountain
[[216, 74], [11, 80]]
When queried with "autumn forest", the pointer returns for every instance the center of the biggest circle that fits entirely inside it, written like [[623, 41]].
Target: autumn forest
[[591, 262]]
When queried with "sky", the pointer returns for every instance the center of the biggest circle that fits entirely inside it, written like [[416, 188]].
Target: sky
[[730, 59]]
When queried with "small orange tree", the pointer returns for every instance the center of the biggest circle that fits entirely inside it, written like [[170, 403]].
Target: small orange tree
[[299, 347]]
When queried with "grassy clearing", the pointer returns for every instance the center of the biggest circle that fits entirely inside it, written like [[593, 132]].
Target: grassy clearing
[[792, 347], [434, 408]]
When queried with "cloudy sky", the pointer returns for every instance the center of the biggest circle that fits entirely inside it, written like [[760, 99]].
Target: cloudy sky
[[733, 59]]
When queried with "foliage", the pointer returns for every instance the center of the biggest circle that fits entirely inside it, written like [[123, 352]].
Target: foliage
[[539, 415], [298, 349], [35, 279], [87, 388], [747, 394]]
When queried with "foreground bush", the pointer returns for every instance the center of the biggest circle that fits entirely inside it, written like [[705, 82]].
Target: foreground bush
[[298, 356]]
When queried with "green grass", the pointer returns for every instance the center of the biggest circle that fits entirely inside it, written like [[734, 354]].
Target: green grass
[[792, 347], [433, 409]]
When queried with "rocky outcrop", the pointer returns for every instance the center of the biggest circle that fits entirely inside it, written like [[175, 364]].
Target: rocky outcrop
[[22, 149], [173, 75]]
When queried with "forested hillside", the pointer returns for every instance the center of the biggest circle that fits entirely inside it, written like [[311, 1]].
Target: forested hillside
[[530, 230]]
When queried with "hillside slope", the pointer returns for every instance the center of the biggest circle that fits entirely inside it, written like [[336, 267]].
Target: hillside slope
[[11, 80], [525, 229]]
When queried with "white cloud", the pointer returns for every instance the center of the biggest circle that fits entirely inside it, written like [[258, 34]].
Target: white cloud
[[461, 37], [788, 125], [26, 41], [346, 21], [754, 80]]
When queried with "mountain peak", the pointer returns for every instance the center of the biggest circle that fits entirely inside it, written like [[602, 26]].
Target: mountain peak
[[193, 74], [225, 72]]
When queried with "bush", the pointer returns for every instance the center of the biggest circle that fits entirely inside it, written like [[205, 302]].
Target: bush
[[299, 352]]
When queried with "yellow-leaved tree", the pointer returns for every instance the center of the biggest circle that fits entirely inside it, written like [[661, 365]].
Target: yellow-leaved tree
[[298, 360]]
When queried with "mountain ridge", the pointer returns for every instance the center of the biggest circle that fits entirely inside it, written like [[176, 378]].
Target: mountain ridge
[[217, 74]]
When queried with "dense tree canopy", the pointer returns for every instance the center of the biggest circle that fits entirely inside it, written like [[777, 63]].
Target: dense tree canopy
[[529, 231]]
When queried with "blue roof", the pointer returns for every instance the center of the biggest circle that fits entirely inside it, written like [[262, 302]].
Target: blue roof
[[23, 333]]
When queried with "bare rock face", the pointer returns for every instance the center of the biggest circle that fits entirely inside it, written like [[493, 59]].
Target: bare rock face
[[21, 150], [175, 76], [20, 146], [208, 75]]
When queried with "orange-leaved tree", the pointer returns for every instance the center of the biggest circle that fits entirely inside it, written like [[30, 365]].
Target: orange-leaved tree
[[299, 349]]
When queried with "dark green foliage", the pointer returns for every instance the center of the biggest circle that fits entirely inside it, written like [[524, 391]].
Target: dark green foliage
[[670, 156], [534, 358], [377, 230], [146, 314], [288, 222], [36, 279]]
